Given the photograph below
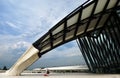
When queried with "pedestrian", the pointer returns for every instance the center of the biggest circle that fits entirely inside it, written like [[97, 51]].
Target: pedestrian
[[47, 72]]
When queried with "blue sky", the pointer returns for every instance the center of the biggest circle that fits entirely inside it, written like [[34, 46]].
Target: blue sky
[[24, 21]]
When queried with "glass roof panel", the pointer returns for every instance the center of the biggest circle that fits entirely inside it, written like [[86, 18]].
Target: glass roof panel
[[69, 34], [119, 3], [57, 41], [47, 47], [58, 29], [100, 6], [46, 38], [87, 11], [111, 4], [72, 20], [103, 20], [92, 24], [81, 29]]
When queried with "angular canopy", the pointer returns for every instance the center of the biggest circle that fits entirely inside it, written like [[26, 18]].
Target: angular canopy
[[90, 16]]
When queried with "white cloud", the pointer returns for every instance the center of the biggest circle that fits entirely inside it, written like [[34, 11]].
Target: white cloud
[[49, 11], [4, 53], [11, 24], [20, 44], [10, 52]]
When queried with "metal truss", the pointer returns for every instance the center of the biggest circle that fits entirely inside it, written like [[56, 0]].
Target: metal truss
[[101, 48], [88, 17], [96, 25]]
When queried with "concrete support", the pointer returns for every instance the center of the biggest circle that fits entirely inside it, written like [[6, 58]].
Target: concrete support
[[28, 58]]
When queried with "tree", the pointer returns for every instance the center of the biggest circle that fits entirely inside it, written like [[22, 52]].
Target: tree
[[4, 68]]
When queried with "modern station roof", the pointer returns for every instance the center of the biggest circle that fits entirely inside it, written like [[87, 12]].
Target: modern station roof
[[90, 16]]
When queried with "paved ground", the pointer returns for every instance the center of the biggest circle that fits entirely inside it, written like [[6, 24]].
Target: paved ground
[[61, 75]]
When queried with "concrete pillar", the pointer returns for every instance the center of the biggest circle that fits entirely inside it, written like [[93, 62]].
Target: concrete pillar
[[28, 58]]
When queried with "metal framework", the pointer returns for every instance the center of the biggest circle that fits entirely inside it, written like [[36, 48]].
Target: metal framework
[[88, 17], [101, 48], [97, 35]]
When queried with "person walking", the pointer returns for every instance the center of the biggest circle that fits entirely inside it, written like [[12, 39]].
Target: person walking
[[47, 72]]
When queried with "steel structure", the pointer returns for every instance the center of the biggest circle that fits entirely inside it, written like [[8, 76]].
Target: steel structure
[[96, 25], [90, 16], [101, 48]]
